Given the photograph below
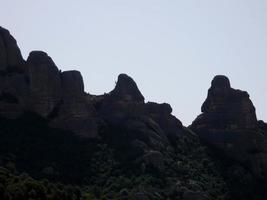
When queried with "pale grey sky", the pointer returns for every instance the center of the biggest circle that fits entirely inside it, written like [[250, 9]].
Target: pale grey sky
[[171, 48]]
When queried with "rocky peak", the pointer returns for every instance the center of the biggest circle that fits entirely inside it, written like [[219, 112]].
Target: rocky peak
[[229, 124], [72, 83], [40, 57], [221, 81], [45, 83], [162, 109], [219, 91], [10, 55], [75, 113], [126, 90], [227, 107], [39, 62]]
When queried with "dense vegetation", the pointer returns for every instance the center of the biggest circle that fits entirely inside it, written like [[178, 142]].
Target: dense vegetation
[[23, 187], [63, 166]]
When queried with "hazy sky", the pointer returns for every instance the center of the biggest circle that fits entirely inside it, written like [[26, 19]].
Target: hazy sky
[[171, 48]]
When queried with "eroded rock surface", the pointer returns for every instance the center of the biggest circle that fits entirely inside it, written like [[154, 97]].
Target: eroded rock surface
[[227, 108], [149, 123], [74, 112], [229, 123], [126, 90], [45, 83], [13, 84], [10, 56]]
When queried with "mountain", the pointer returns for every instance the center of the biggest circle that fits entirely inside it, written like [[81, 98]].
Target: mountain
[[76, 145], [229, 124]]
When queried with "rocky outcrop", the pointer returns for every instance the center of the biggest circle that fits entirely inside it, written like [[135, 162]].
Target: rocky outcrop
[[75, 113], [45, 83], [148, 127], [10, 56], [13, 83], [226, 107], [161, 113], [229, 124], [14, 91], [228, 121], [127, 135], [263, 126], [126, 90], [72, 84], [126, 101], [60, 98]]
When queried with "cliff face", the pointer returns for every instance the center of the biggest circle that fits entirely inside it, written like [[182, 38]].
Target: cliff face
[[229, 124], [37, 85], [10, 56], [227, 108], [44, 83], [59, 97]]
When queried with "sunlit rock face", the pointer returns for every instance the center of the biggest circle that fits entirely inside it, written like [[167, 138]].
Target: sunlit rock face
[[228, 122]]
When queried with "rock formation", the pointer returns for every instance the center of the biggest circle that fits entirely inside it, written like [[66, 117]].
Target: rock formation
[[38, 86], [227, 107], [126, 90], [74, 112], [45, 83], [124, 132], [149, 125], [13, 84], [161, 113], [60, 98], [10, 56], [229, 124]]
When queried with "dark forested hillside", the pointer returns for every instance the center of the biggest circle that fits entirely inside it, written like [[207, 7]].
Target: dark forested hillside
[[103, 168]]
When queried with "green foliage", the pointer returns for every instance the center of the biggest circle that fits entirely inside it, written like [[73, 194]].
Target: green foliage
[[106, 169], [13, 187]]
